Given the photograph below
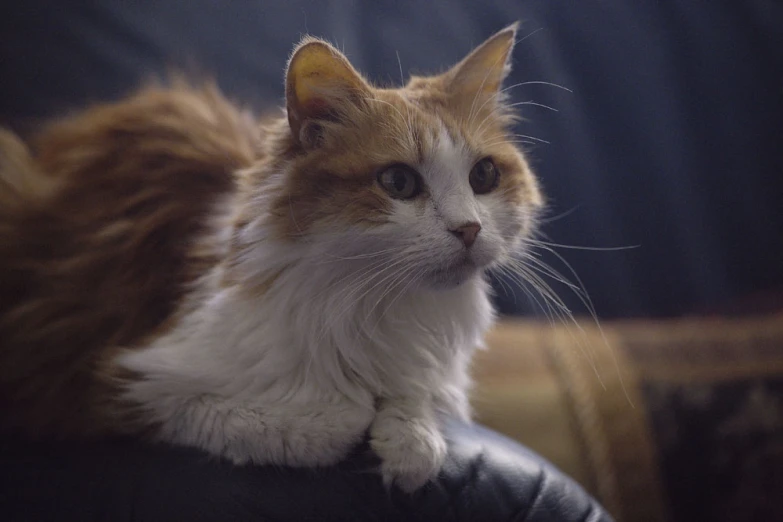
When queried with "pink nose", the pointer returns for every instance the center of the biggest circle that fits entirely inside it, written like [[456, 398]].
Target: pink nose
[[467, 233]]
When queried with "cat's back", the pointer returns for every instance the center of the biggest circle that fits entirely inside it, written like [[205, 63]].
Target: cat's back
[[103, 223]]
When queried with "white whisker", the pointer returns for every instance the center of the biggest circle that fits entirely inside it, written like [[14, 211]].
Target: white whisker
[[359, 256], [577, 288], [565, 314], [525, 136], [578, 247], [530, 102], [402, 76], [559, 216], [537, 82]]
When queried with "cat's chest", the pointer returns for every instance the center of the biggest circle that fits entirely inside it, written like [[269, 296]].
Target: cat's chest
[[234, 346]]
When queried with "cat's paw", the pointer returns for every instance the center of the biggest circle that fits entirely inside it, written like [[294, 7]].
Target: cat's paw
[[412, 450]]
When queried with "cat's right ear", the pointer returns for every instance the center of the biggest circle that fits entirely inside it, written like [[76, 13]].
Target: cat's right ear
[[320, 82]]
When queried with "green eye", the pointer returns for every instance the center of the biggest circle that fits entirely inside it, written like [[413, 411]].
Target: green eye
[[484, 176], [400, 181]]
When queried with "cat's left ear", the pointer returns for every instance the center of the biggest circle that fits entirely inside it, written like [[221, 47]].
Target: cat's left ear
[[320, 85], [481, 73]]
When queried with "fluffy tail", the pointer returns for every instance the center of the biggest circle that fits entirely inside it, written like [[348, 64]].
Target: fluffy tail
[[20, 181]]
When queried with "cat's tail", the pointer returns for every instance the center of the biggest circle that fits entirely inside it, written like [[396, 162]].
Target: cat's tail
[[21, 183]]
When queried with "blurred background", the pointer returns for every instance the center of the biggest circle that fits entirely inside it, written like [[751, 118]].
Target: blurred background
[[666, 137]]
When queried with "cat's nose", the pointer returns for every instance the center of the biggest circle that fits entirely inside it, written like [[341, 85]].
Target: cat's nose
[[467, 233]]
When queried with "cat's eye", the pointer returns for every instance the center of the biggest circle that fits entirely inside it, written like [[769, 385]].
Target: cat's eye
[[484, 176], [400, 181]]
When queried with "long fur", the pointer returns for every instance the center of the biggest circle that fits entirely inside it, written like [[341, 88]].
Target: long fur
[[170, 266]]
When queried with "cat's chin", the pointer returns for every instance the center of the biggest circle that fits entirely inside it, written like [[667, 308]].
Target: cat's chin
[[452, 276]]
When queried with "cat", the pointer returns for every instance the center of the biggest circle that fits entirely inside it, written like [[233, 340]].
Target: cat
[[267, 291]]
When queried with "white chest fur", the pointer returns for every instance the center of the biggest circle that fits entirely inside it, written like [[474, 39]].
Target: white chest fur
[[289, 378]]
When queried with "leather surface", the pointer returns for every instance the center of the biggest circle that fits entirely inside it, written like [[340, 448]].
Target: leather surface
[[486, 478]]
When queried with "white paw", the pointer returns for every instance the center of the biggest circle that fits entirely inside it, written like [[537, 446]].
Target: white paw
[[412, 450]]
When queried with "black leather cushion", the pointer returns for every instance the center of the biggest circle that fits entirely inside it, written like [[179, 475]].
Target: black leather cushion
[[486, 478]]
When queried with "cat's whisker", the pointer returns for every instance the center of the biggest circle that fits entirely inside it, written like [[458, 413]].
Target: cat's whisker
[[499, 109], [377, 100], [393, 285], [549, 312], [407, 120], [500, 94], [542, 287], [399, 62], [357, 281], [415, 276], [527, 270], [536, 104], [493, 112], [392, 263], [389, 284], [580, 247], [523, 284], [565, 313], [559, 216], [529, 35], [495, 97], [518, 142], [379, 283], [566, 316], [506, 107], [536, 264], [582, 295], [346, 300], [548, 291], [536, 82], [525, 136], [365, 270], [472, 114], [530, 255], [587, 302], [366, 255], [343, 300], [506, 289], [490, 70]]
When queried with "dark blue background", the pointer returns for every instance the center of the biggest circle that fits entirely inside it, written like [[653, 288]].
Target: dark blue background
[[672, 138]]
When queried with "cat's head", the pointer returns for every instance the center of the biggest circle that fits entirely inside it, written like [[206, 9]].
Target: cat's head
[[424, 180]]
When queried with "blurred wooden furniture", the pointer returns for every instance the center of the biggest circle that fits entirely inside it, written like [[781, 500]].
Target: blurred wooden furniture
[[661, 420]]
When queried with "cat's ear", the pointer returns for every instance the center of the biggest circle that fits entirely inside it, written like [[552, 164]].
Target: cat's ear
[[481, 73], [320, 83]]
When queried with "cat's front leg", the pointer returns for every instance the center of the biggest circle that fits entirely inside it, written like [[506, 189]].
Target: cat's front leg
[[299, 434], [407, 437]]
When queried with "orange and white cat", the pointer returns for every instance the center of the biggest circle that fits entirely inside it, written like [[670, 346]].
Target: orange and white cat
[[267, 292]]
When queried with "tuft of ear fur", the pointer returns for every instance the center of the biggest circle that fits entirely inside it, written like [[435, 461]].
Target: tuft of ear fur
[[481, 73], [319, 81]]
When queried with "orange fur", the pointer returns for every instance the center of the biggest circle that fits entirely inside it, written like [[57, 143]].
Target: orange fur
[[102, 260]]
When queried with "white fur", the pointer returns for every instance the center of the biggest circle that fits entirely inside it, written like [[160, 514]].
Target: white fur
[[363, 329]]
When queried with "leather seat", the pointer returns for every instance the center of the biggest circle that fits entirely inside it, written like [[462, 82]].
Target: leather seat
[[486, 478]]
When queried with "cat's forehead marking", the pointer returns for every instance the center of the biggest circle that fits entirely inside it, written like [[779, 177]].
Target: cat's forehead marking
[[448, 159]]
